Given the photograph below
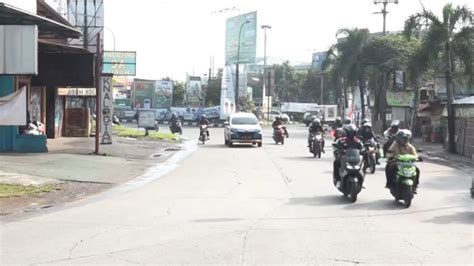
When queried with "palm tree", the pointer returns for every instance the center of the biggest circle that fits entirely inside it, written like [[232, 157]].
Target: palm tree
[[348, 63], [451, 38]]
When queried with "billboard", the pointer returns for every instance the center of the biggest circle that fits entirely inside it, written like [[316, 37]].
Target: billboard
[[318, 60], [119, 63], [400, 98], [163, 94], [248, 38], [143, 93], [194, 90], [88, 14]]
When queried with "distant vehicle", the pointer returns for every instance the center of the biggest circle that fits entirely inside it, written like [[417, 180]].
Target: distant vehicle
[[274, 114], [308, 115], [242, 128]]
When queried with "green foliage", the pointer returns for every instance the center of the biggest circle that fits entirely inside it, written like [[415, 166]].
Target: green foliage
[[178, 93], [125, 132], [17, 190], [213, 90]]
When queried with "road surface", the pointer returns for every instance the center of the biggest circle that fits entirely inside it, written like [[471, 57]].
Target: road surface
[[249, 205]]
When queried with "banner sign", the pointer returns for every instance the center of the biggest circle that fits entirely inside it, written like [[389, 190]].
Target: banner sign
[[76, 91], [227, 93], [107, 106], [163, 94], [400, 98], [194, 90], [247, 37], [13, 109], [120, 63]]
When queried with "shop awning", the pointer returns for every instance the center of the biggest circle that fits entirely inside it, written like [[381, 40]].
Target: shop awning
[[10, 15], [50, 47]]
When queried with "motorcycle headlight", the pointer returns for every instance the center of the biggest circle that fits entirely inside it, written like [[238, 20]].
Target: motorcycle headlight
[[352, 166], [408, 172]]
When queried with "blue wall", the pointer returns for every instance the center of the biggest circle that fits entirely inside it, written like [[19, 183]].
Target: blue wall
[[7, 133], [9, 138]]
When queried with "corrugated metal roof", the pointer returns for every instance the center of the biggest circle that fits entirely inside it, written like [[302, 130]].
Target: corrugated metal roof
[[467, 100]]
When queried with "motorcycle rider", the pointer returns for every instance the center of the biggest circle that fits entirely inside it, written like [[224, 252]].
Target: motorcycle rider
[[337, 129], [279, 122], [173, 119], [349, 141], [390, 134], [315, 128], [400, 146], [204, 121], [365, 133]]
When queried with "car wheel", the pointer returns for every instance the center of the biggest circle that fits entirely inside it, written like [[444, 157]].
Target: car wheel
[[230, 144], [226, 142], [259, 144]]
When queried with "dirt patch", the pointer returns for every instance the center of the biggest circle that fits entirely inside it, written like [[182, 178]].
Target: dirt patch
[[66, 192]]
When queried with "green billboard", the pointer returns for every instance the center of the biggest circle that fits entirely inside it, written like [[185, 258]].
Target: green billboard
[[119, 63], [248, 38]]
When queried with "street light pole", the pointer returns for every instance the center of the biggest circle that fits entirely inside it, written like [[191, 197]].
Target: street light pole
[[265, 27], [237, 68], [113, 35]]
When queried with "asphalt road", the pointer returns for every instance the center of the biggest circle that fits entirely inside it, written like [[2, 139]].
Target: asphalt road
[[249, 205]]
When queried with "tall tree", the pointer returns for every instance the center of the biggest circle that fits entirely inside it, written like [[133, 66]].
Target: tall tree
[[178, 93], [446, 38], [213, 90]]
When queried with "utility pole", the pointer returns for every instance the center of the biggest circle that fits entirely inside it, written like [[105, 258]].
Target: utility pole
[[265, 27], [98, 111], [322, 88], [86, 41], [237, 68], [383, 100]]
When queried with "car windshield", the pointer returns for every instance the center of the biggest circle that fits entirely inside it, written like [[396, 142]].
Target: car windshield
[[244, 121]]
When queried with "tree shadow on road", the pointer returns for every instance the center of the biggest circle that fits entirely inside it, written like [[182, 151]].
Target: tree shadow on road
[[466, 217], [325, 200]]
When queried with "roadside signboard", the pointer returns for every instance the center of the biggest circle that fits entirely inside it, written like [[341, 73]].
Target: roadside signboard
[[107, 105], [146, 118], [119, 63], [248, 38], [163, 94]]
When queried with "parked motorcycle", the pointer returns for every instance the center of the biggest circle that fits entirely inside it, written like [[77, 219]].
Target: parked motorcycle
[[406, 175], [316, 144], [369, 155], [279, 135], [203, 133], [351, 173], [175, 127]]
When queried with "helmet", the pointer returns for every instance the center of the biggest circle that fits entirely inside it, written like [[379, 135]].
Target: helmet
[[351, 131], [338, 119], [365, 120], [278, 118], [395, 124], [313, 117], [203, 116], [316, 122], [368, 125], [173, 115], [403, 136], [347, 121]]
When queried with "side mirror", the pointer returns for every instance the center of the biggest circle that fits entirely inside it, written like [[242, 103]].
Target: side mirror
[[226, 123]]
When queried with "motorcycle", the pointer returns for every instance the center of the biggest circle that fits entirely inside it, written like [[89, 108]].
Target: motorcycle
[[175, 127], [203, 133], [405, 178], [316, 144], [352, 176], [279, 135], [369, 155]]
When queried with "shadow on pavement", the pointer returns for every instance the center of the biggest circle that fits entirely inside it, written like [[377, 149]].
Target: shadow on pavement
[[320, 200], [444, 183], [466, 217], [379, 205]]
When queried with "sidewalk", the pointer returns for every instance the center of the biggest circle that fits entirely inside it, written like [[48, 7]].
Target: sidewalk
[[435, 151], [70, 159]]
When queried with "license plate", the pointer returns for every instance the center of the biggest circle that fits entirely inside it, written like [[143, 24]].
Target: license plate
[[246, 137]]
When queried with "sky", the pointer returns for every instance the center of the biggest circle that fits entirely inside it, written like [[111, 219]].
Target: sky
[[173, 38]]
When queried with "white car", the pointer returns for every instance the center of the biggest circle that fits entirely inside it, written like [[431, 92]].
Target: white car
[[242, 128], [274, 114]]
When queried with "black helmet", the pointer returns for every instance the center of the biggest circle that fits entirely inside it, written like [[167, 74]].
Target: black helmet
[[316, 122], [174, 115], [403, 136], [350, 130], [338, 119], [203, 116], [348, 121], [313, 117]]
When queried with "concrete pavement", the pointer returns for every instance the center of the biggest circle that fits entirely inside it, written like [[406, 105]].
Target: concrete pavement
[[248, 205]]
